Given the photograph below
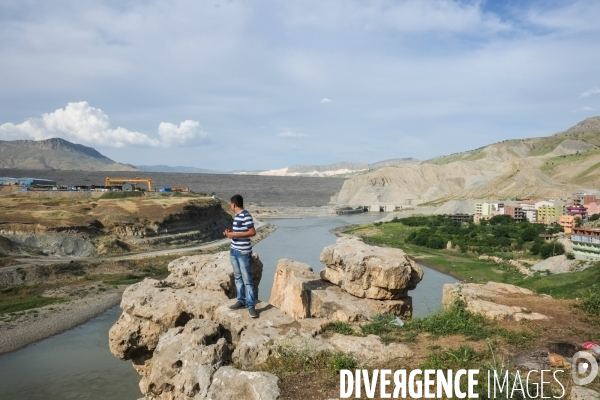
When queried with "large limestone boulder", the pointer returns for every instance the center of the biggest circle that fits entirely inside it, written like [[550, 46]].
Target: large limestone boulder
[[370, 349], [331, 302], [230, 383], [211, 272], [368, 271], [302, 294], [488, 300], [184, 361], [291, 288]]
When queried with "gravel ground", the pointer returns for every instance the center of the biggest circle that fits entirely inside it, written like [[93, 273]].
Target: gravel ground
[[26, 328]]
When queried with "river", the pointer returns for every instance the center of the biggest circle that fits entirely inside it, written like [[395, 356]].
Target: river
[[77, 365]]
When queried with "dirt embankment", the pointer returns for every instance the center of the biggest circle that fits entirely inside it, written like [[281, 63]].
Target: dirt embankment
[[86, 227]]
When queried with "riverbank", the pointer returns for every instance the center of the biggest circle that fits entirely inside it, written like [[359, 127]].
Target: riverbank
[[43, 311], [469, 267], [21, 329]]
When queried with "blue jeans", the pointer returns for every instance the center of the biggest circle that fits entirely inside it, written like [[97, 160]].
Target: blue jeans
[[244, 286]]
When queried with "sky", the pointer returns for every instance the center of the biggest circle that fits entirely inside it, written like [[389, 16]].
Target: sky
[[255, 85]]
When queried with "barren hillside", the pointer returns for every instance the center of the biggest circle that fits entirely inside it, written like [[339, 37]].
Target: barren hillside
[[55, 153], [546, 167]]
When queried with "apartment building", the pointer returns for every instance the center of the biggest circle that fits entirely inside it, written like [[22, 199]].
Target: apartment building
[[586, 242], [515, 212], [485, 208], [576, 211], [567, 222], [549, 214]]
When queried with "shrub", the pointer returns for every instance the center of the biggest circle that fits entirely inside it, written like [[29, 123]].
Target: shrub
[[529, 234], [590, 301], [436, 242], [551, 249], [570, 255]]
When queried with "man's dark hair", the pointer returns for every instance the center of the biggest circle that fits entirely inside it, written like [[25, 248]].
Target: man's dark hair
[[238, 201]]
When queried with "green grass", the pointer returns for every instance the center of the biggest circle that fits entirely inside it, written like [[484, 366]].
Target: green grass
[[469, 268], [379, 325], [457, 320], [16, 304], [293, 357], [550, 164], [343, 328]]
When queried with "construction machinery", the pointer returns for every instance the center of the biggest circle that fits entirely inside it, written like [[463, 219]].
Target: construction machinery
[[128, 183]]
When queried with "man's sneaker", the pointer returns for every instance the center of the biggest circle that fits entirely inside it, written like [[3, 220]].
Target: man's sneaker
[[252, 312], [237, 305]]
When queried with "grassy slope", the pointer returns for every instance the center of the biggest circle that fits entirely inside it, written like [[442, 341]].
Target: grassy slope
[[468, 267]]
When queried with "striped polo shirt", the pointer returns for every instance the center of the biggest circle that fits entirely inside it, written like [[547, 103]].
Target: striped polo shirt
[[242, 223]]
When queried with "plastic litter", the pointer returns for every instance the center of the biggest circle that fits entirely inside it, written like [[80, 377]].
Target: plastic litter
[[397, 321], [591, 346]]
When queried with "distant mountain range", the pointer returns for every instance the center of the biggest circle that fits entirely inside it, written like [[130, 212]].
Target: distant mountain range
[[55, 153], [336, 169], [179, 169]]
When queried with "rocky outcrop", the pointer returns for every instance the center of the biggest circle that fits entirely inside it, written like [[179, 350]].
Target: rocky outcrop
[[367, 271], [211, 272], [180, 333], [302, 294], [487, 300]]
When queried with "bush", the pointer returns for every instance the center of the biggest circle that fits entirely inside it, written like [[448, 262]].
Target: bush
[[552, 249], [590, 301], [529, 234], [436, 242], [537, 244], [594, 217], [570, 255]]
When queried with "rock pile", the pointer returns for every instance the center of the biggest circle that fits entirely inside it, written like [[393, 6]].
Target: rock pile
[[181, 335]]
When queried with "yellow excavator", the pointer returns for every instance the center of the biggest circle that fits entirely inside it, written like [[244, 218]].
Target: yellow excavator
[[123, 181]]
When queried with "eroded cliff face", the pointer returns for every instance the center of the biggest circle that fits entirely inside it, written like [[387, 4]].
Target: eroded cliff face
[[85, 227], [182, 337]]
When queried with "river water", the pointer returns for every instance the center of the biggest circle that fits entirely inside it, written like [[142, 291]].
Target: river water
[[77, 365]]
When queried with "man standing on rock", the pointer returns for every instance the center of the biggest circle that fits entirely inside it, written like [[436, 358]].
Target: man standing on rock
[[241, 255]]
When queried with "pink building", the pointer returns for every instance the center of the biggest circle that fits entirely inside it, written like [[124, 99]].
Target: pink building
[[592, 208]]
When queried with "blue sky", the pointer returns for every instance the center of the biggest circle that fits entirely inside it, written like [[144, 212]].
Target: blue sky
[[263, 84]]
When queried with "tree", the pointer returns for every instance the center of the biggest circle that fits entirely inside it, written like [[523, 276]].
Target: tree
[[529, 234], [501, 220], [594, 217], [436, 242], [551, 249], [537, 244], [578, 222]]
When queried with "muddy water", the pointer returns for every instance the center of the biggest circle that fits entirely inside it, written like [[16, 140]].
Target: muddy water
[[78, 365]]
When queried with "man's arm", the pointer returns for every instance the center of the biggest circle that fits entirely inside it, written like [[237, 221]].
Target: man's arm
[[238, 235]]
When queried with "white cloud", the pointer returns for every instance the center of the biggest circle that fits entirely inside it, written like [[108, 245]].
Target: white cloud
[[82, 123], [590, 92], [325, 100], [188, 130], [292, 135], [584, 109]]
